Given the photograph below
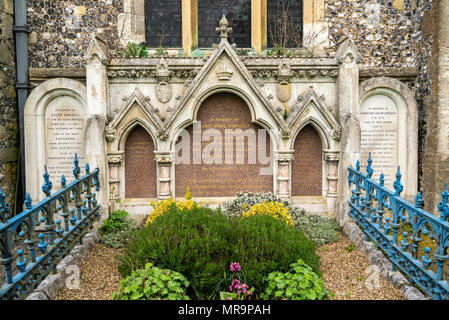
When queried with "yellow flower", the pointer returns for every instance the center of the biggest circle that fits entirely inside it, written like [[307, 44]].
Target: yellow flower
[[274, 209], [163, 206]]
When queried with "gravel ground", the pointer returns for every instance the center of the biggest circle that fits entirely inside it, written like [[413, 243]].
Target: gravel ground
[[344, 274], [99, 276]]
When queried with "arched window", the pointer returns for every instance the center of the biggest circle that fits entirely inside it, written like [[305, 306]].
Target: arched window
[[163, 23], [284, 27], [238, 14]]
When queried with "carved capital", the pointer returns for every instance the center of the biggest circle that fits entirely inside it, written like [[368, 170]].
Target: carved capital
[[284, 70], [115, 158], [164, 158], [331, 155], [284, 158]]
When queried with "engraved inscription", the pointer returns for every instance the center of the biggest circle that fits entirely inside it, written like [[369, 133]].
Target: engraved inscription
[[140, 166], [65, 128], [307, 164], [379, 135], [235, 166]]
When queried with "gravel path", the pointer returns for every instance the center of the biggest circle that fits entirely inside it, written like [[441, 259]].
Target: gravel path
[[99, 276], [344, 274]]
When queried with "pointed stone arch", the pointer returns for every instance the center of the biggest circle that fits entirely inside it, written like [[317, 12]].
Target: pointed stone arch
[[140, 165], [219, 178]]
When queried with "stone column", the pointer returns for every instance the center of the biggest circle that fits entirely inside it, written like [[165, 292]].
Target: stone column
[[259, 25], [96, 59], [189, 26], [332, 158], [348, 57], [284, 159], [164, 164], [115, 160]]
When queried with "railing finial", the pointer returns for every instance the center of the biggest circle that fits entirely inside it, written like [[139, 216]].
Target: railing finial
[[4, 207], [418, 200], [382, 179], [357, 165], [76, 170], [397, 185], [28, 201], [46, 187], [369, 168]]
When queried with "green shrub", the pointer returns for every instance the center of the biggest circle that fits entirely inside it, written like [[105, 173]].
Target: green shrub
[[152, 283], [115, 229], [319, 229], [301, 283], [201, 243]]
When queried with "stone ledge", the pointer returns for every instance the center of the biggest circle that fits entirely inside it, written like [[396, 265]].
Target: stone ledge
[[49, 287], [378, 259]]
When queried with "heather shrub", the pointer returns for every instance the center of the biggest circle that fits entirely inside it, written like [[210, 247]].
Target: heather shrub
[[320, 230], [200, 243], [274, 209], [245, 200]]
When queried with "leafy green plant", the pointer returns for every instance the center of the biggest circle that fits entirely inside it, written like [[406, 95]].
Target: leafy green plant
[[116, 228], [301, 283], [350, 248], [161, 52], [152, 283], [199, 243], [134, 50]]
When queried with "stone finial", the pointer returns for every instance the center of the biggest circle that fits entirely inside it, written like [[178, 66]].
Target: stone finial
[[223, 28], [97, 51], [347, 51]]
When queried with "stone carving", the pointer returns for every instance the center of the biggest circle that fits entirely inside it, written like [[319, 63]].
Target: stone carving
[[285, 134], [298, 73], [110, 134], [223, 28], [283, 91], [162, 69], [285, 157], [115, 158], [332, 156], [284, 70], [336, 134], [163, 92], [143, 73], [163, 158], [162, 134], [224, 72]]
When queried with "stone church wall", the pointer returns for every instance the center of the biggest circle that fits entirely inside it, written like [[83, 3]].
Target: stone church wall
[[9, 129]]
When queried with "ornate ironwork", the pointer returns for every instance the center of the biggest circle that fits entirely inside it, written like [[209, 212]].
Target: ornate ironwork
[[77, 206], [406, 233]]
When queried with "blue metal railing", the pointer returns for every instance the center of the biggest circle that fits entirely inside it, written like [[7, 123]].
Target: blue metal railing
[[414, 240], [32, 243]]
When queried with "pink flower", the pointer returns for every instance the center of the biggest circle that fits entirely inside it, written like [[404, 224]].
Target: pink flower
[[235, 266]]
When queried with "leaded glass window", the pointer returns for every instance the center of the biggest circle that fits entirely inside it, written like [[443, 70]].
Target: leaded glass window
[[163, 23], [284, 23], [238, 14]]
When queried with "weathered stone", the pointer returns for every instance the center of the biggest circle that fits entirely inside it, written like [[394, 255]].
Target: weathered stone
[[37, 296], [51, 285]]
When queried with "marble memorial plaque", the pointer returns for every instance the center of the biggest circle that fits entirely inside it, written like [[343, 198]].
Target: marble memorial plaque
[[65, 136], [140, 166], [379, 135], [233, 168], [307, 164]]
